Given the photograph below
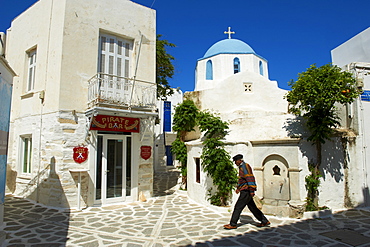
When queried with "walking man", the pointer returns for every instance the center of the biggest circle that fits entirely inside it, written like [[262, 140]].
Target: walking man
[[246, 187]]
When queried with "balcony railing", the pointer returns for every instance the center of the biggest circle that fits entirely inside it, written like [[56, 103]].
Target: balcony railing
[[120, 91]]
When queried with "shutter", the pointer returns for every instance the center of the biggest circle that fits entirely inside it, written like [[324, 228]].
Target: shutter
[[167, 116]]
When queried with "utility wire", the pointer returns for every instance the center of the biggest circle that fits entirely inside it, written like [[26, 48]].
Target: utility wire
[[152, 3]]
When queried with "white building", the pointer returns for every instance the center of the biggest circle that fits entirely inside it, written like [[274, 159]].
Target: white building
[[354, 56], [232, 81], [164, 134], [83, 108]]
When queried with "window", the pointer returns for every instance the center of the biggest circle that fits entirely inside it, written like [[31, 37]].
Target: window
[[114, 56], [236, 65], [31, 70], [209, 70], [197, 170], [248, 87], [261, 68], [26, 154]]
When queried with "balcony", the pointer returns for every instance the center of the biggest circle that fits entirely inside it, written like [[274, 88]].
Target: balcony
[[116, 91]]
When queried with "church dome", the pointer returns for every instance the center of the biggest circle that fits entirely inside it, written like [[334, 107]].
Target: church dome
[[229, 46]]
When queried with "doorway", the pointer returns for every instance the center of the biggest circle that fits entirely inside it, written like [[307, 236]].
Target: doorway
[[113, 169]]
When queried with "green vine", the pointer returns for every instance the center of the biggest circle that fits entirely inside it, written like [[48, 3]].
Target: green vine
[[216, 161], [179, 149], [184, 120], [312, 185]]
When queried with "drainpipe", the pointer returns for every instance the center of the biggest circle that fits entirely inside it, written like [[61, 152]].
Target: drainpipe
[[42, 98]]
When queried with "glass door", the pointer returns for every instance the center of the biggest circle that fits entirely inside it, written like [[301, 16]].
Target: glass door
[[113, 168]]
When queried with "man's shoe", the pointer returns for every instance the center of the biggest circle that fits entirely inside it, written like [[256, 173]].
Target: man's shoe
[[229, 227], [264, 224]]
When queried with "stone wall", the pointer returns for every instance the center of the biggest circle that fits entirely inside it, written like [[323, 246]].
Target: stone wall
[[50, 182]]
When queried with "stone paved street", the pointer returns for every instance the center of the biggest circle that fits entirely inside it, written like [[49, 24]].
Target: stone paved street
[[171, 219]]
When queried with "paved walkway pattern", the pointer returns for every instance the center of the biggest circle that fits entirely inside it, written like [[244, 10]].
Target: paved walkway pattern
[[171, 219]]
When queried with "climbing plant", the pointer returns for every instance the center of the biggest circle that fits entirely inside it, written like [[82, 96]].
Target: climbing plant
[[216, 161], [184, 120], [312, 185], [179, 150]]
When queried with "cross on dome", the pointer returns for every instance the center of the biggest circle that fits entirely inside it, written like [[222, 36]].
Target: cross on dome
[[229, 32]]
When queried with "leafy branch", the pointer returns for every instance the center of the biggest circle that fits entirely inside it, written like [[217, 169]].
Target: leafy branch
[[216, 161]]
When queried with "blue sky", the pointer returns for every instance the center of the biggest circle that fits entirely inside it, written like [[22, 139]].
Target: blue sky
[[290, 34]]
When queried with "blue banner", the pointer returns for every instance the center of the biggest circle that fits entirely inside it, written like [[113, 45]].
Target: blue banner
[[365, 96], [5, 96], [167, 116]]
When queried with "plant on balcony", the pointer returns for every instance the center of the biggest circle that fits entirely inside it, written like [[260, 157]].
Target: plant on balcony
[[314, 96], [164, 68]]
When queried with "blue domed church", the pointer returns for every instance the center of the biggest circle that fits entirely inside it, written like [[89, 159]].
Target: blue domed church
[[226, 58], [232, 80]]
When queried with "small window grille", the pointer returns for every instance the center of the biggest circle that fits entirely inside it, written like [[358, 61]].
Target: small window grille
[[248, 87]]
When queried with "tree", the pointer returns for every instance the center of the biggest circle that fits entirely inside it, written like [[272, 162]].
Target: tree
[[164, 68], [314, 96]]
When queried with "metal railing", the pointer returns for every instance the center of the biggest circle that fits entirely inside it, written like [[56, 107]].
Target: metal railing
[[120, 91]]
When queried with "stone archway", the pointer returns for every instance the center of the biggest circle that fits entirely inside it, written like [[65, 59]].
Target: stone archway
[[276, 182]]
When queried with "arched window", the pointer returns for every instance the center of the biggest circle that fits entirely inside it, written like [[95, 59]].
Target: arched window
[[236, 65], [261, 68], [209, 70]]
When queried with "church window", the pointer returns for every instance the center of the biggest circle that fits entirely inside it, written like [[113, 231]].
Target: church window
[[261, 68], [248, 87], [236, 65], [209, 70]]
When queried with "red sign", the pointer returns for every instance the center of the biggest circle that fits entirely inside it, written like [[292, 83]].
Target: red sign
[[146, 152], [114, 123], [80, 154]]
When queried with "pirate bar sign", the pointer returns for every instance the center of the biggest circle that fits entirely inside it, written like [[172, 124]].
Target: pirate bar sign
[[114, 123]]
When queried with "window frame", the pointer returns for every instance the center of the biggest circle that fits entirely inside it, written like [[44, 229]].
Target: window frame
[[114, 55], [31, 69], [236, 64], [261, 68], [209, 70], [25, 156], [197, 169]]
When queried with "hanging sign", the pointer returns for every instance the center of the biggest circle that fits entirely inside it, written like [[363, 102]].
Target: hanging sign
[[146, 152], [80, 154], [114, 123]]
